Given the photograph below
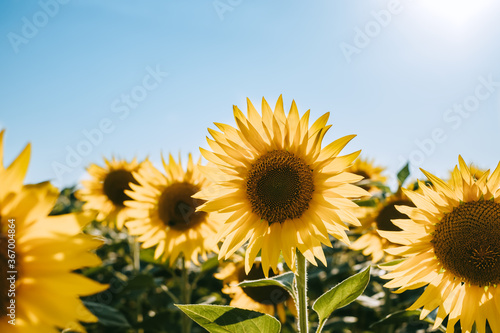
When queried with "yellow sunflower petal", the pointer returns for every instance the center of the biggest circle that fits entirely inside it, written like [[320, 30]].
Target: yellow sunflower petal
[[450, 245], [165, 210], [274, 185]]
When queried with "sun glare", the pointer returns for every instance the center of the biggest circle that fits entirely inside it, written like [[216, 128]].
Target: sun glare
[[457, 12]]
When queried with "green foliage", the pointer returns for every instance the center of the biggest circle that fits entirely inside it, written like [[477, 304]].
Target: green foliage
[[67, 202], [227, 319], [340, 295], [390, 263], [403, 317], [108, 316], [403, 174], [142, 301], [367, 203], [284, 281], [379, 185], [145, 298]]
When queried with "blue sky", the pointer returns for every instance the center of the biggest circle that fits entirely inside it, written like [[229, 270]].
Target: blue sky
[[414, 80]]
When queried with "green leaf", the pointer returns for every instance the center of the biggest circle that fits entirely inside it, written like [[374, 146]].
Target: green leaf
[[284, 281], [404, 173], [403, 316], [209, 264], [227, 319], [390, 263], [141, 281], [340, 295], [107, 315], [380, 185], [148, 255], [367, 203]]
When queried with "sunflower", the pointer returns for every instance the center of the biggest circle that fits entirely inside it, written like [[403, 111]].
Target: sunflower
[[163, 211], [270, 299], [379, 218], [38, 253], [275, 187], [451, 244], [476, 172], [105, 192], [369, 171]]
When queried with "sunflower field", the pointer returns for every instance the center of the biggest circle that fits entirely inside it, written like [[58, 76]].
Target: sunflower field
[[249, 166], [270, 230]]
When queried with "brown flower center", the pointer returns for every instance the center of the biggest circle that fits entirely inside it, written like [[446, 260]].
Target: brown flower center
[[389, 212], [115, 184], [270, 295], [366, 178], [177, 209], [466, 242], [279, 186]]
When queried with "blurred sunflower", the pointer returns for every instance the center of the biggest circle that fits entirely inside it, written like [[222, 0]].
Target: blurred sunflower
[[163, 211], [474, 170], [275, 187], [105, 192], [379, 218], [452, 247], [269, 299], [47, 251], [369, 171]]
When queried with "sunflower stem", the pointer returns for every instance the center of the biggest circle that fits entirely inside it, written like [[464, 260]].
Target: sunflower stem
[[301, 285], [387, 308], [185, 296], [136, 254], [136, 264]]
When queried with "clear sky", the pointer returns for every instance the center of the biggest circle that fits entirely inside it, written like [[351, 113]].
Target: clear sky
[[417, 80]]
